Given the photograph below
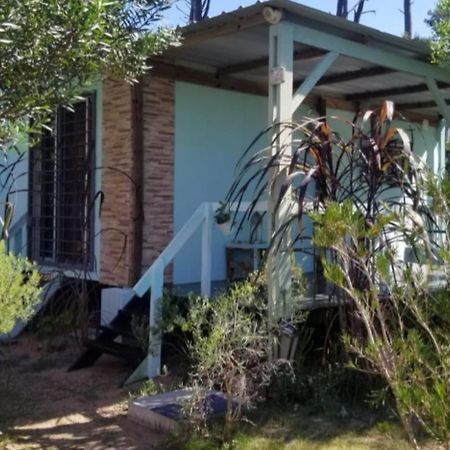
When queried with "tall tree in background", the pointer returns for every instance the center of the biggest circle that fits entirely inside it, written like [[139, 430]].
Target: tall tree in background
[[199, 10], [359, 9], [342, 9], [408, 18]]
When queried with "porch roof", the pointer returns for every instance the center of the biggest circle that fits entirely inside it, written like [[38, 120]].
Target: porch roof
[[232, 50]]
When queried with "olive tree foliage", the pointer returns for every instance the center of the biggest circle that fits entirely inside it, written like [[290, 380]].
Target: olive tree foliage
[[50, 50], [439, 21]]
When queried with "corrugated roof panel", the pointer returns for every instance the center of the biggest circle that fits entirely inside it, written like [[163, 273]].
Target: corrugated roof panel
[[237, 45]]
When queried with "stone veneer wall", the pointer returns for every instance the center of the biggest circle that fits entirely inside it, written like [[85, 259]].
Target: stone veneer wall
[[159, 159], [117, 208], [120, 210]]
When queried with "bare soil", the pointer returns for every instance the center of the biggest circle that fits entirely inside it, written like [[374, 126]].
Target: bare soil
[[42, 406]]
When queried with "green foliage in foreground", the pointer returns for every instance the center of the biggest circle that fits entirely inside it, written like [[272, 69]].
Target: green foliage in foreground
[[19, 289], [440, 23], [284, 429], [50, 50], [232, 344], [406, 333]]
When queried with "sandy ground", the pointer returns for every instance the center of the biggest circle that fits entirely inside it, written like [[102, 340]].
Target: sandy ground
[[42, 406]]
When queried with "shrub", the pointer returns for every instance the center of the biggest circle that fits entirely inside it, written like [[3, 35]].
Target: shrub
[[19, 289], [404, 325], [231, 345], [371, 197]]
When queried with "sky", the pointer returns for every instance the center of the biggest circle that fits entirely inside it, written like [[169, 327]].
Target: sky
[[387, 16]]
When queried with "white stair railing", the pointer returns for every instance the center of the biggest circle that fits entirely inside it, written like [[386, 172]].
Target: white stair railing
[[153, 281]]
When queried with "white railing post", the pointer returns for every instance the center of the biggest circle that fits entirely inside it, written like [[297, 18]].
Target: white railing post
[[206, 251], [175, 245], [156, 294]]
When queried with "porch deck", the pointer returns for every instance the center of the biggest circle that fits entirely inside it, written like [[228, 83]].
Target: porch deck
[[313, 299]]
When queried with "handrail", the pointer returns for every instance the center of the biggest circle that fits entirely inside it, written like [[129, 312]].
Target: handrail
[[176, 244], [153, 278]]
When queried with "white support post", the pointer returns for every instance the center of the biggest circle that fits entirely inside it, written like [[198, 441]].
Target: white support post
[[206, 251], [438, 98], [281, 51], [314, 76], [438, 160], [438, 167], [154, 355], [441, 138]]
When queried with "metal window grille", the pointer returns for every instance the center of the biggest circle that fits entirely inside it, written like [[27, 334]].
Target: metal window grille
[[62, 189]]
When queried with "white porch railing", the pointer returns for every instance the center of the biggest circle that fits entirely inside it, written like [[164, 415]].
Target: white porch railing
[[153, 278]]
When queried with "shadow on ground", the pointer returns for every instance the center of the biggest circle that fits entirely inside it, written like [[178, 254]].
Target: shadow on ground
[[43, 406]]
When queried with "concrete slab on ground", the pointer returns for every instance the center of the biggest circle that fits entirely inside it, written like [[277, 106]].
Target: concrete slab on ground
[[164, 412]]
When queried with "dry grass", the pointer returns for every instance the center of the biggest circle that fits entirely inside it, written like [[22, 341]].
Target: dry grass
[[42, 406]]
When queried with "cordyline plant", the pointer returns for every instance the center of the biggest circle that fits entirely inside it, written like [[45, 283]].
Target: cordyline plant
[[374, 168], [371, 200]]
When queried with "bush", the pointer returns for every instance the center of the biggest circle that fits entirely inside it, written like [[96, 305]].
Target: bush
[[230, 344], [19, 289], [404, 325], [371, 198]]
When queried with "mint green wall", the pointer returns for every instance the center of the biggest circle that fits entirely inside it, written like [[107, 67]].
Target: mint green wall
[[212, 129]]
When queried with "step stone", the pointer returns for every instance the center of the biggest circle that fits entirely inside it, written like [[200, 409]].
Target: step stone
[[164, 412]]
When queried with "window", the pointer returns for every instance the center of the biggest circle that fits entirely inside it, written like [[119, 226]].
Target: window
[[62, 189]]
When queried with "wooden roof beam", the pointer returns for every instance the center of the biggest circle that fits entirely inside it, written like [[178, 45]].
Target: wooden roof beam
[[350, 76], [417, 105], [166, 69], [369, 53], [314, 76], [299, 55], [412, 89]]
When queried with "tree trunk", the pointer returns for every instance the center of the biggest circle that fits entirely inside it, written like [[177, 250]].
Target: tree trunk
[[358, 12], [199, 10], [196, 11], [342, 8], [408, 20]]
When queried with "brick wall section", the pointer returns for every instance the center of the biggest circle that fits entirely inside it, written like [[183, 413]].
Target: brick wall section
[[158, 190], [117, 210]]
